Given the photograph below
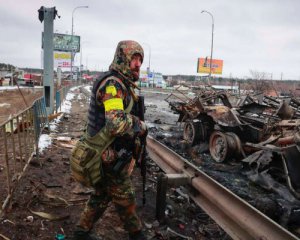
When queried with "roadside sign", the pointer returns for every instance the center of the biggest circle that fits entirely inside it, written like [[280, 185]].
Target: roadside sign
[[203, 66], [64, 42], [62, 59]]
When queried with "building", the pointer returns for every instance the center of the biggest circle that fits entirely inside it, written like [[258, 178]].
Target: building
[[233, 88], [152, 79]]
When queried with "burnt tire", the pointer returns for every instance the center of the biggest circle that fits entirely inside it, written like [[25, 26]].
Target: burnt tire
[[223, 146], [218, 146], [192, 132]]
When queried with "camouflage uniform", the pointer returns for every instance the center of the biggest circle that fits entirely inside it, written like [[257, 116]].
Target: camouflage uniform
[[113, 96]]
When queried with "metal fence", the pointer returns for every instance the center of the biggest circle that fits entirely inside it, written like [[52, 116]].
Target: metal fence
[[60, 95], [19, 139]]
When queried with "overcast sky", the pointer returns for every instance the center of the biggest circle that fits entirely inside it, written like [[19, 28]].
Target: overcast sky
[[254, 35]]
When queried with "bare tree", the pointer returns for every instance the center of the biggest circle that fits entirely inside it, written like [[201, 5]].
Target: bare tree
[[261, 81]]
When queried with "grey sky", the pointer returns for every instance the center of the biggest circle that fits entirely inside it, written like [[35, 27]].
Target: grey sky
[[249, 34]]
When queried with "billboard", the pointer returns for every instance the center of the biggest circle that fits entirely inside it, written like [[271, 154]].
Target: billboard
[[64, 42], [62, 59], [143, 76], [204, 66]]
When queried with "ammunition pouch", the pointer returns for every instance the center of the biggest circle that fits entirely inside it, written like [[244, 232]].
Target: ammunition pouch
[[85, 160], [85, 164]]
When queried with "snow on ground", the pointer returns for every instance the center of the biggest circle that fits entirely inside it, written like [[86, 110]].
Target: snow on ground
[[65, 108], [88, 88], [2, 88], [44, 141], [67, 104], [6, 105]]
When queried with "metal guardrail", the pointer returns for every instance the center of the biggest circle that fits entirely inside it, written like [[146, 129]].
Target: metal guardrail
[[238, 218], [19, 139]]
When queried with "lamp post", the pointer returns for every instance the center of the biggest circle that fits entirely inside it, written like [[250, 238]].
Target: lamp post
[[212, 41], [72, 33], [148, 45], [148, 70], [87, 61], [81, 66]]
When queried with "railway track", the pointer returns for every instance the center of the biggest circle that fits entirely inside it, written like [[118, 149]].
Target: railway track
[[238, 218]]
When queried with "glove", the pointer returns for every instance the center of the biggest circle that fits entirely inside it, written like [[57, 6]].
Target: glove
[[144, 129]]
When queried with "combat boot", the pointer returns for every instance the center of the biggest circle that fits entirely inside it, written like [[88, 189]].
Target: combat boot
[[84, 235], [137, 236], [81, 234]]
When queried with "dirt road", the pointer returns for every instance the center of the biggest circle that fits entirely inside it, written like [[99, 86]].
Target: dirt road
[[48, 192]]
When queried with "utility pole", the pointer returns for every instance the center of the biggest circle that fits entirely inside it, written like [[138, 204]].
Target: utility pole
[[48, 15], [212, 42], [72, 36]]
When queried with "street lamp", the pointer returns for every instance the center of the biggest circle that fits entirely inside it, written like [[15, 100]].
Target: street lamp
[[72, 33], [81, 66], [212, 41], [148, 45]]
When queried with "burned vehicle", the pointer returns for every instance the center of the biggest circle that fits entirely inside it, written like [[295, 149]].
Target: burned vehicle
[[259, 130]]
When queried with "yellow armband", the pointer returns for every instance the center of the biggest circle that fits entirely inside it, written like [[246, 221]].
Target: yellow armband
[[114, 104]]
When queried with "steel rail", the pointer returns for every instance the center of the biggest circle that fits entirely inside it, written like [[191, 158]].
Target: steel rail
[[238, 218]]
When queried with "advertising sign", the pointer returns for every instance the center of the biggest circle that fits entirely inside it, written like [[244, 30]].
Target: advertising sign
[[64, 42], [62, 59], [143, 76], [204, 66]]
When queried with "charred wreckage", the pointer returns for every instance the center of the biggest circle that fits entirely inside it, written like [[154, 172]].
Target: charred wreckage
[[261, 131]]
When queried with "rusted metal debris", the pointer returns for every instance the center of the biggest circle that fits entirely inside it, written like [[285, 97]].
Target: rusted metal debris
[[235, 216], [263, 131]]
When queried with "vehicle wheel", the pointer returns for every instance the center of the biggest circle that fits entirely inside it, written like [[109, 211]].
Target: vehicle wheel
[[218, 146], [235, 144], [191, 132], [222, 146]]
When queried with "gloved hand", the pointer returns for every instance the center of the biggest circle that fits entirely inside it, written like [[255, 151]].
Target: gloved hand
[[144, 129]]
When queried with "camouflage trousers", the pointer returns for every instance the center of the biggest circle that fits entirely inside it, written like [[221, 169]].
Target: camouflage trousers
[[119, 190]]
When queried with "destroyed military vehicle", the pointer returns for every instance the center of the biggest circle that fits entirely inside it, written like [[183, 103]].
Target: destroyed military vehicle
[[259, 130]]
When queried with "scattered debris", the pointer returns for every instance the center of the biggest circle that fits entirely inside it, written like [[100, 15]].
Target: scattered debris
[[171, 232], [29, 219], [49, 216], [4, 237], [7, 220], [54, 116], [43, 227], [262, 130], [60, 236], [64, 139]]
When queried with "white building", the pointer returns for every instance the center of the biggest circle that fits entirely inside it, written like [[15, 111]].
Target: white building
[[233, 88], [153, 79]]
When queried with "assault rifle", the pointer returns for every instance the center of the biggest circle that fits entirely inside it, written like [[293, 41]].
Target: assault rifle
[[142, 159]]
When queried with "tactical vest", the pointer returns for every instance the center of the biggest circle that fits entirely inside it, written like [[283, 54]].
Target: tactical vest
[[85, 160], [96, 113]]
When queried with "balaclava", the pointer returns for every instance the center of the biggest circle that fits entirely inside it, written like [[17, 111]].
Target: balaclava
[[124, 52]]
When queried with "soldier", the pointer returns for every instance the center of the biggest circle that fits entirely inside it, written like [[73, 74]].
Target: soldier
[[110, 112]]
